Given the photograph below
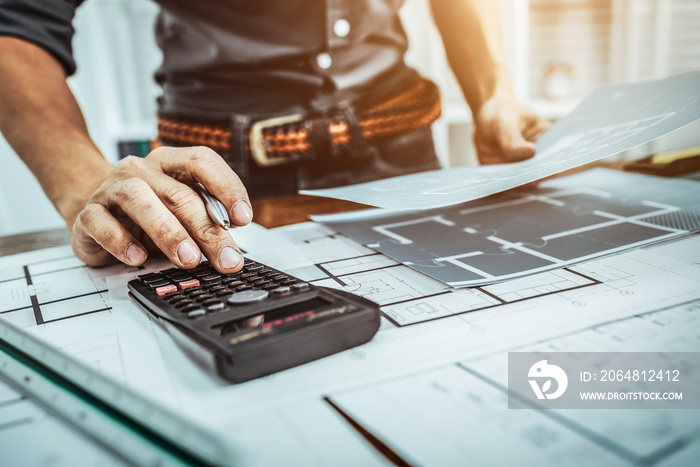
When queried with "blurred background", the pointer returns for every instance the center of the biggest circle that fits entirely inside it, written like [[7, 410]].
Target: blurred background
[[558, 51]]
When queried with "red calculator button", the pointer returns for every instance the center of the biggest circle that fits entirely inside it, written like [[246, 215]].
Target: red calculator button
[[190, 283], [166, 289]]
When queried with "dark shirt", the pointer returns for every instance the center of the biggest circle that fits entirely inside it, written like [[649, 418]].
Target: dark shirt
[[243, 56]]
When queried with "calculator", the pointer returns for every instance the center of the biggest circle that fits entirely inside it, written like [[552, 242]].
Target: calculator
[[254, 322]]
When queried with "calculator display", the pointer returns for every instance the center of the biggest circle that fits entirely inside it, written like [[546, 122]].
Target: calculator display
[[287, 314]]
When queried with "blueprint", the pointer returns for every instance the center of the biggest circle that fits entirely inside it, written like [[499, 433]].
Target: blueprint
[[563, 222], [427, 329], [463, 411], [29, 436], [612, 119]]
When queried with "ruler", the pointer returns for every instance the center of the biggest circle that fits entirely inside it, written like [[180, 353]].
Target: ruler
[[115, 416]]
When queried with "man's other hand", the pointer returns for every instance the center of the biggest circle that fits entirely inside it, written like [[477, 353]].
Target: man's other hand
[[148, 204], [505, 130]]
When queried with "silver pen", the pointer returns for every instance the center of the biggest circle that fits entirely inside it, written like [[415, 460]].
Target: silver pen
[[215, 208]]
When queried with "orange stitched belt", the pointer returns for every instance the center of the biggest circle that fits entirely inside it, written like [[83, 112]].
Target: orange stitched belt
[[285, 139]]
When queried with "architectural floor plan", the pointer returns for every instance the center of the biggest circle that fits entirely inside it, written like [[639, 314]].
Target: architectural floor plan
[[505, 236]]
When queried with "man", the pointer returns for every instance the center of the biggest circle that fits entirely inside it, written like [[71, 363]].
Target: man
[[271, 96]]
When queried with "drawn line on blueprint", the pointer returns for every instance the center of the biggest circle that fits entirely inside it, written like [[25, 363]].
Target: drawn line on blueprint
[[337, 279], [331, 276], [13, 401], [50, 260], [381, 268], [400, 302], [487, 307], [82, 266], [35, 303], [36, 307], [494, 296], [15, 423], [14, 309], [580, 430], [79, 314], [12, 279], [58, 300]]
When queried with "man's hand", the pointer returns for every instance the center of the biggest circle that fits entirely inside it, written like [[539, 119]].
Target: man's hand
[[471, 32], [505, 130], [147, 203], [118, 211]]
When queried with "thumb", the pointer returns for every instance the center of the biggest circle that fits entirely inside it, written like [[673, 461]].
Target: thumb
[[515, 147]]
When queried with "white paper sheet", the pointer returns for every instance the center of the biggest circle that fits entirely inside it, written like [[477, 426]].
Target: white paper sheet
[[612, 119], [285, 416], [463, 411]]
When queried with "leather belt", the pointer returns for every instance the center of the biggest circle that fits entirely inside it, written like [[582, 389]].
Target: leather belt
[[288, 138]]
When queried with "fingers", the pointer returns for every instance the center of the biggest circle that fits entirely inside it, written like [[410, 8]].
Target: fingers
[[189, 209], [203, 165], [137, 200], [515, 148], [532, 132], [508, 146], [158, 208], [98, 236], [509, 136]]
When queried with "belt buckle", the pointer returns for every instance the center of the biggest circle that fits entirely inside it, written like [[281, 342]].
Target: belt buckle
[[258, 147]]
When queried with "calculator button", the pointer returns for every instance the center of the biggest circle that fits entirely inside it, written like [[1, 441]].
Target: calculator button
[[255, 267], [212, 282], [196, 313], [156, 285], [166, 289], [248, 296], [242, 288], [224, 293], [249, 262], [281, 290], [247, 275], [262, 282], [187, 284], [175, 297], [181, 278], [151, 278], [230, 278], [203, 297], [253, 279], [217, 288], [270, 286], [300, 286], [289, 282], [171, 272], [183, 303], [212, 305], [236, 284]]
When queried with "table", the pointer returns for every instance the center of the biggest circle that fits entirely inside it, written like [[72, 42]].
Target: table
[[268, 212]]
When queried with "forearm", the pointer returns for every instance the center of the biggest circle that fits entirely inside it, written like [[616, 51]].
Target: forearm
[[41, 120], [471, 32]]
